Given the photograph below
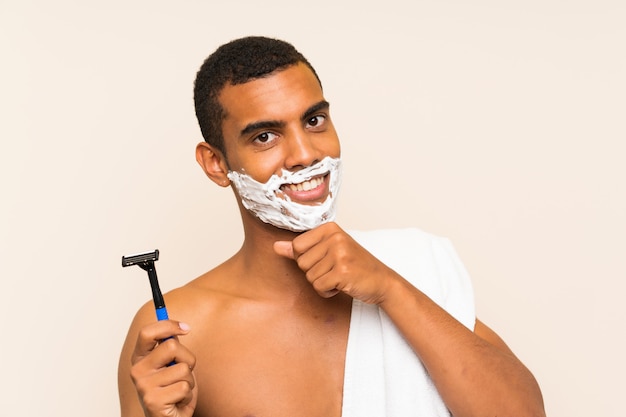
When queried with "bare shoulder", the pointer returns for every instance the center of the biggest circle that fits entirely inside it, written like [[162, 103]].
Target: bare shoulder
[[204, 296]]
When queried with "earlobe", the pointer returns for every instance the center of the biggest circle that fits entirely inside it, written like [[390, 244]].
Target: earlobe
[[213, 164]]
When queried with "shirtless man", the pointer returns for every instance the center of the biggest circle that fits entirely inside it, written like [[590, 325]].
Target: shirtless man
[[265, 333]]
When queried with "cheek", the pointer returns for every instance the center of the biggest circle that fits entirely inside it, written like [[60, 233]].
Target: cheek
[[260, 166], [337, 153], [333, 147]]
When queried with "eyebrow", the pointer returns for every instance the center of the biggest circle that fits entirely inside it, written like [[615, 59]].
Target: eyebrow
[[265, 124], [273, 124], [308, 113]]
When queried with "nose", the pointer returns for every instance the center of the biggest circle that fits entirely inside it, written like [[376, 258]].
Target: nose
[[301, 151]]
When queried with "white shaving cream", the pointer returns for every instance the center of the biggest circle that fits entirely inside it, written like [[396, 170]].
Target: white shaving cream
[[271, 205]]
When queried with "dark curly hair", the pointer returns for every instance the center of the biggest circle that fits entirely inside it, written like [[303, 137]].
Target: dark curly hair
[[237, 62]]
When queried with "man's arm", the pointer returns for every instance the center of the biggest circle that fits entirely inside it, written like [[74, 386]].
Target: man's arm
[[475, 373]]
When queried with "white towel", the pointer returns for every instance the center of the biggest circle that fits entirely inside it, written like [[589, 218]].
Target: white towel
[[383, 376]]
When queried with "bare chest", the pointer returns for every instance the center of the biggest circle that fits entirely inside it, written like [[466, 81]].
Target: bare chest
[[272, 364]]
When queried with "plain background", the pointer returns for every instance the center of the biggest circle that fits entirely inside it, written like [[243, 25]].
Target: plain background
[[499, 124]]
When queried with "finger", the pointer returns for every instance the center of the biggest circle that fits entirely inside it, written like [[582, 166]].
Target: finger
[[284, 248], [148, 380], [165, 353], [328, 294], [150, 336], [326, 285], [179, 372], [307, 240], [162, 377], [163, 399], [170, 352], [312, 257]]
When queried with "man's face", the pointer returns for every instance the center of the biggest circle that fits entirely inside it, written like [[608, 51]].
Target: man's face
[[280, 122]]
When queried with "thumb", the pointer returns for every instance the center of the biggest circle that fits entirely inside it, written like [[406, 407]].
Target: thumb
[[284, 248]]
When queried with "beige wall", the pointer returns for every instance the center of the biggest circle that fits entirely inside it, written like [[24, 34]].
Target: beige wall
[[497, 124]]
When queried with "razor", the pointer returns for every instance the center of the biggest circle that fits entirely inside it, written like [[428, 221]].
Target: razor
[[146, 262]]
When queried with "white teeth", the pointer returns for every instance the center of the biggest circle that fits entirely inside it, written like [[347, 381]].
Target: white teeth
[[306, 185]]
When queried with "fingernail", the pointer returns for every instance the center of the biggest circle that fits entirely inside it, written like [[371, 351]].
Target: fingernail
[[184, 326]]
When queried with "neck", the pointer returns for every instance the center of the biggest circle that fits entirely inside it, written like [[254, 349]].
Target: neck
[[262, 271]]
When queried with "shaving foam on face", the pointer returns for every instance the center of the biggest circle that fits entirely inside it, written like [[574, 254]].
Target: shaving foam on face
[[271, 205]]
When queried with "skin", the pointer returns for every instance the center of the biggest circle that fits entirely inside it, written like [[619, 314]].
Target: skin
[[265, 332]]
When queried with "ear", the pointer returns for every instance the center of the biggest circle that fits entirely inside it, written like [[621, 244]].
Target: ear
[[213, 163]]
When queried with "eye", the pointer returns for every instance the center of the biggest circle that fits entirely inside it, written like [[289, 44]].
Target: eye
[[316, 121], [265, 138]]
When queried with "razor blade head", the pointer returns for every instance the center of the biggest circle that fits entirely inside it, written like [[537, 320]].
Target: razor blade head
[[140, 258]]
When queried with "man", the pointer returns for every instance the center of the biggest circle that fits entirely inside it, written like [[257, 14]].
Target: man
[[303, 320]]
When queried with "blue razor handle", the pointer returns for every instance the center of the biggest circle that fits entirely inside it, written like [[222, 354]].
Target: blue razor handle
[[161, 313]]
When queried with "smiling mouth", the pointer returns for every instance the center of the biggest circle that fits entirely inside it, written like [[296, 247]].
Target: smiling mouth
[[305, 185]]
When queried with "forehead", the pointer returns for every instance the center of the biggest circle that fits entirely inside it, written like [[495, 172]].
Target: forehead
[[279, 96]]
